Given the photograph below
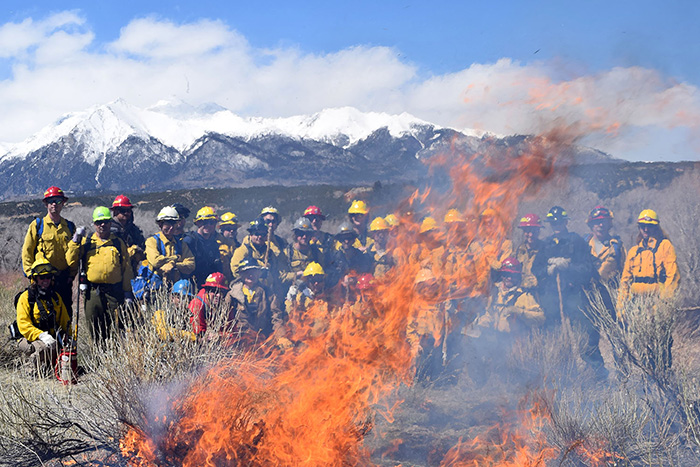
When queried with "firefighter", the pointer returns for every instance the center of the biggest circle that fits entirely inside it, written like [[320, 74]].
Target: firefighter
[[383, 261], [316, 217], [47, 238], [203, 245], [172, 324], [42, 318], [183, 214], [257, 311], [531, 226], [313, 292], [358, 214], [607, 249], [228, 241], [123, 226], [271, 259], [107, 267], [272, 219], [208, 303], [302, 252], [489, 249], [651, 266], [167, 255], [347, 262]]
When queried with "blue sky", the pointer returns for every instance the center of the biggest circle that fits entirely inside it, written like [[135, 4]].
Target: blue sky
[[496, 66]]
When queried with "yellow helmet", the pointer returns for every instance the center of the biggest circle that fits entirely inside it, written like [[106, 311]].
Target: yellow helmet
[[428, 224], [358, 207], [314, 269], [269, 210], [207, 213], [42, 267], [453, 216], [392, 220], [228, 218], [648, 216], [378, 224], [489, 212]]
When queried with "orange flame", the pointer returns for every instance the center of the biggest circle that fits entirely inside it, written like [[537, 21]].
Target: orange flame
[[313, 405]]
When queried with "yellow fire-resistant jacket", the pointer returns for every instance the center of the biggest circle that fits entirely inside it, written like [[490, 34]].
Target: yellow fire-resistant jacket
[[226, 248], [105, 261], [511, 309], [487, 256], [650, 268], [298, 261], [170, 266], [526, 256], [52, 246], [383, 261], [276, 261], [24, 321], [610, 259]]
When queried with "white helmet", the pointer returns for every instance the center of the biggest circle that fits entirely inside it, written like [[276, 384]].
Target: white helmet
[[168, 213]]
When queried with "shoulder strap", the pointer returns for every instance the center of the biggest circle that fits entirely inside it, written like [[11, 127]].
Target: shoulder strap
[[39, 226], [588, 237], [71, 227], [160, 244]]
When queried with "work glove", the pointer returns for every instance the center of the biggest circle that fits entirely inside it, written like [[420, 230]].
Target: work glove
[[79, 234], [557, 264], [167, 267], [292, 293], [47, 339]]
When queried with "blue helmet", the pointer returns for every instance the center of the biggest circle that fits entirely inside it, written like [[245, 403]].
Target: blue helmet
[[183, 287]]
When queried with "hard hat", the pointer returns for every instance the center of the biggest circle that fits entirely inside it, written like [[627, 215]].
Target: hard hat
[[246, 264], [557, 213], [270, 210], [54, 192], [314, 269], [183, 287], [530, 220], [424, 275], [121, 201], [42, 267], [599, 212], [378, 224], [257, 227], [314, 211], [488, 212], [101, 213], [216, 280], [365, 281], [228, 218], [648, 216], [428, 224], [511, 265], [346, 229], [207, 213], [453, 216], [168, 213], [392, 220], [182, 211], [358, 207], [303, 225]]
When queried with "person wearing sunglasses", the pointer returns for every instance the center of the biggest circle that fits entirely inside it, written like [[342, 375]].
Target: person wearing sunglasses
[[651, 266], [104, 260], [47, 239], [301, 253], [203, 245], [123, 227]]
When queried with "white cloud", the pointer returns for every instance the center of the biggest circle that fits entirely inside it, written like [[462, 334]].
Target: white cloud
[[56, 67]]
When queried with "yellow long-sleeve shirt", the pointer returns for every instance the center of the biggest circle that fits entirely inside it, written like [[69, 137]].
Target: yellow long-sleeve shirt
[[648, 272], [52, 245], [511, 309], [171, 265], [106, 261], [26, 325], [609, 259]]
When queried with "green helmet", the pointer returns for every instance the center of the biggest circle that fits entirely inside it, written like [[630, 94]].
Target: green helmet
[[101, 213]]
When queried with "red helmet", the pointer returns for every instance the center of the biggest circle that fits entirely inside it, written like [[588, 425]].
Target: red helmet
[[53, 192], [122, 201], [314, 211], [511, 265], [365, 281], [216, 280], [599, 212], [530, 220]]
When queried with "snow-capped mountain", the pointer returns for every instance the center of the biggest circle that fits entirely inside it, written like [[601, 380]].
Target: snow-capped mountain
[[120, 147]]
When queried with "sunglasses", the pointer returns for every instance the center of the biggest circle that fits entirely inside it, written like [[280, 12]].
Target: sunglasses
[[54, 201], [103, 222]]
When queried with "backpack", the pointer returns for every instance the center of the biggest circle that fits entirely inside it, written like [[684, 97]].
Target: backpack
[[145, 282], [658, 277]]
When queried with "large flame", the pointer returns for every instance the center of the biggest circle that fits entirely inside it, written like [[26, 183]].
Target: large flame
[[313, 405]]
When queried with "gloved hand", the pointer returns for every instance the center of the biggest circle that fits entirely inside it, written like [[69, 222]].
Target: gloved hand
[[557, 264], [167, 267], [292, 293], [47, 339], [79, 234]]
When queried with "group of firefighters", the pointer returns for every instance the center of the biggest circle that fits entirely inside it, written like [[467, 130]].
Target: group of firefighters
[[258, 282]]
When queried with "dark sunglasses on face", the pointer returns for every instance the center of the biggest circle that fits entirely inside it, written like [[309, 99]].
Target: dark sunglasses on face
[[103, 222], [54, 201]]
